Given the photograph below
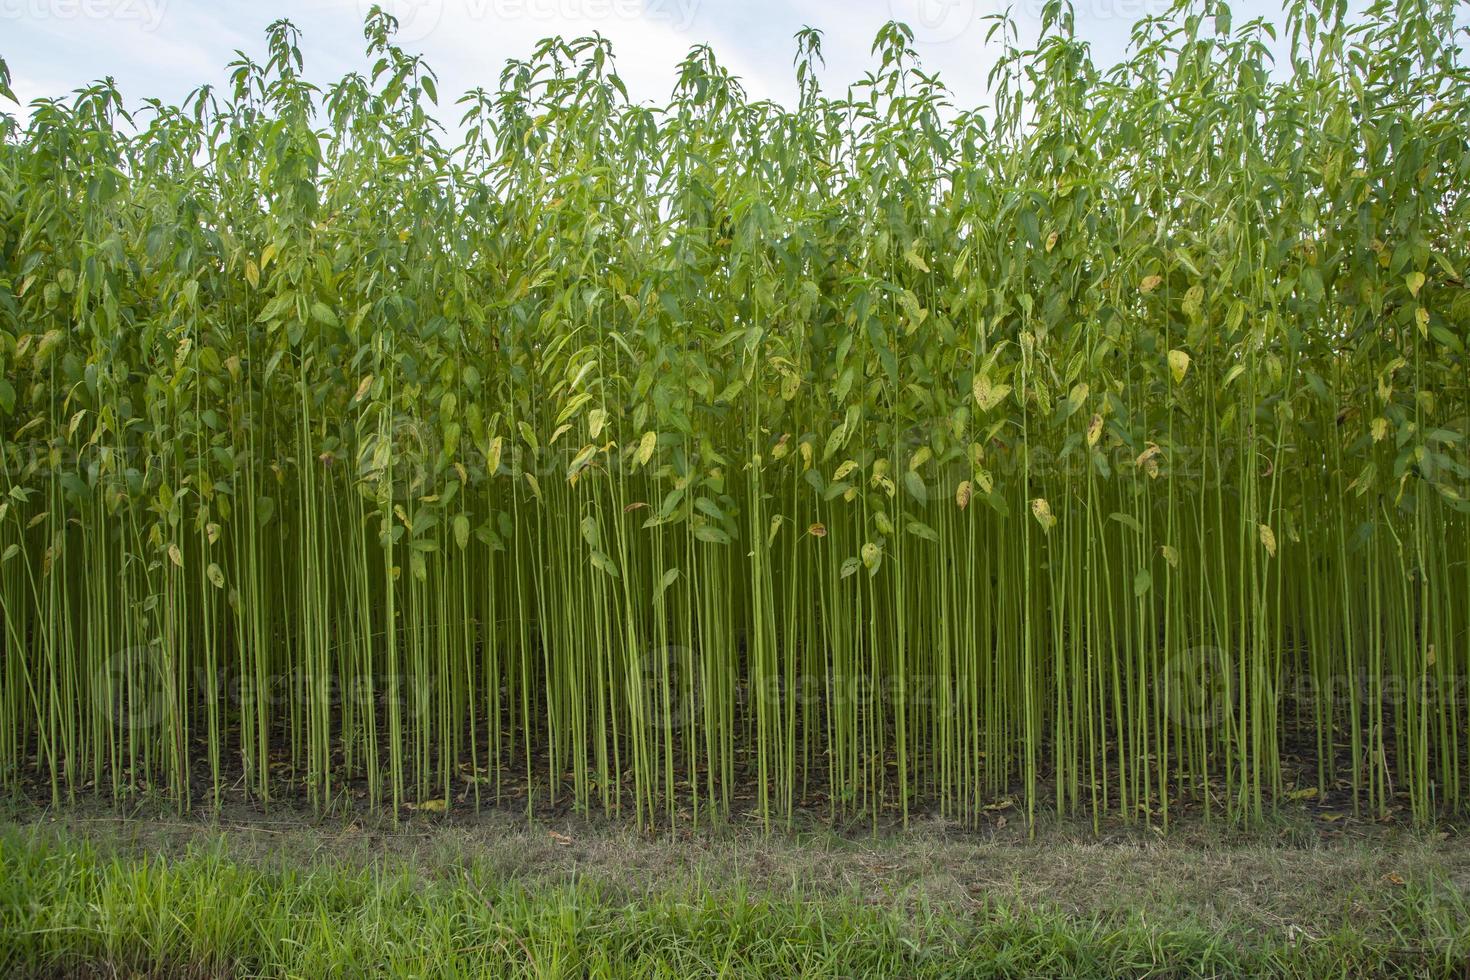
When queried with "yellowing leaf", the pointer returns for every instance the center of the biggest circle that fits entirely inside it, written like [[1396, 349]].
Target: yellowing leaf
[[988, 395], [962, 494], [1178, 365], [1171, 555], [492, 458], [914, 259], [583, 457], [1149, 284], [1379, 428], [1268, 539], [1041, 510], [461, 531], [646, 446], [175, 555], [1415, 282], [790, 385], [817, 530], [1094, 429], [215, 575]]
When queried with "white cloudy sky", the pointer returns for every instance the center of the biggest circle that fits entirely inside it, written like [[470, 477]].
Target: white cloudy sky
[[164, 48]]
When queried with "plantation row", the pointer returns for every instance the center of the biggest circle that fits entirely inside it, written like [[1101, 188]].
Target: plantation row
[[1103, 448]]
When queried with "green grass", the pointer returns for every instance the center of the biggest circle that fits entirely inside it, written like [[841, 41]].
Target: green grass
[[68, 904]]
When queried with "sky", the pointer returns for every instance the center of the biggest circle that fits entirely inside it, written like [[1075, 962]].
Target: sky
[[165, 48]]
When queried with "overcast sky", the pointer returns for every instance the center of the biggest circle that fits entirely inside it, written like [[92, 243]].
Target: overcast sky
[[164, 48]]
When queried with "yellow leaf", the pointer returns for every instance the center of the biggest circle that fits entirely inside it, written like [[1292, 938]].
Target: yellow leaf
[[175, 555], [1041, 510], [912, 255], [1171, 555], [1051, 241], [1415, 282], [492, 458], [583, 457], [1147, 455], [920, 457], [962, 494], [1094, 429], [1309, 793], [646, 446], [596, 419], [1421, 317], [817, 530], [988, 395], [432, 806], [1268, 539], [1379, 428], [215, 575], [1178, 365], [1149, 284], [252, 273]]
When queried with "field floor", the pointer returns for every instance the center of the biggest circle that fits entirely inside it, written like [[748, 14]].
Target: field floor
[[97, 891]]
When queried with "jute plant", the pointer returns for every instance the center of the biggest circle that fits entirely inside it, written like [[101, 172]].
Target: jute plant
[[1102, 448]]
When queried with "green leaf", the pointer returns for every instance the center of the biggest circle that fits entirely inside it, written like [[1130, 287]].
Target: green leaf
[[667, 579]]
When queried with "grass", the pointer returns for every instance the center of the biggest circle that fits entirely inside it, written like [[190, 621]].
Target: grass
[[165, 897]]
